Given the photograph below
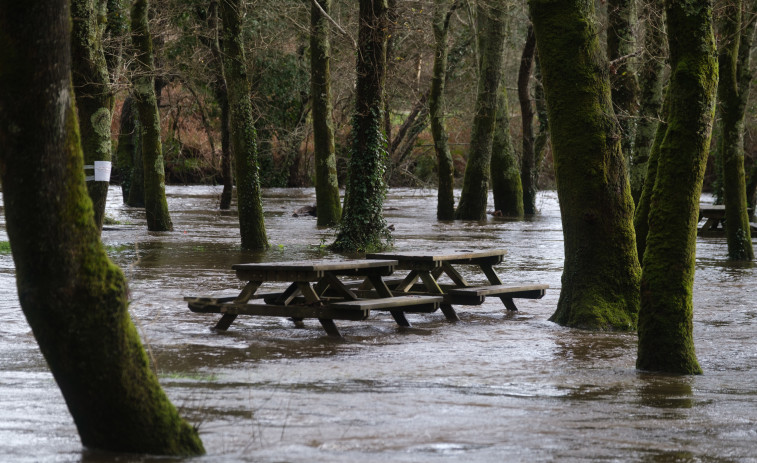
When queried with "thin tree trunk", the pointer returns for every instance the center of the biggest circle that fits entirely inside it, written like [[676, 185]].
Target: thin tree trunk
[[156, 206], [328, 205], [666, 341], [474, 195], [363, 227], [600, 281], [507, 190], [73, 297], [529, 172], [94, 96], [126, 154], [243, 135]]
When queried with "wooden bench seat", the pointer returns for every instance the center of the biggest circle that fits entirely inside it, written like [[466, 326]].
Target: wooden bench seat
[[216, 305], [476, 295], [410, 303]]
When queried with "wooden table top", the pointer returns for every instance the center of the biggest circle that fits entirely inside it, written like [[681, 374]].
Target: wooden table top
[[316, 265], [437, 256]]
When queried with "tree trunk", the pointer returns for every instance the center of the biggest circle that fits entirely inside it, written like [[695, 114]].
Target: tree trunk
[[73, 297], [665, 321], [473, 198], [156, 206], [363, 227], [651, 82], [94, 96], [328, 205], [529, 173], [445, 206], [505, 173], [128, 158], [221, 94], [733, 92], [243, 135], [600, 282]]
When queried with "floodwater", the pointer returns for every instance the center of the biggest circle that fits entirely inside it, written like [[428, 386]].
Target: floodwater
[[493, 387]]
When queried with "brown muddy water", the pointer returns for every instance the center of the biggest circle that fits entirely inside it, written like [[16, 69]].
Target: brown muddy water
[[493, 387]]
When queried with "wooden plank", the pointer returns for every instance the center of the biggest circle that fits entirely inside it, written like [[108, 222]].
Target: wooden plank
[[354, 313], [388, 303], [434, 288], [330, 327], [314, 265], [437, 256], [495, 290], [383, 291]]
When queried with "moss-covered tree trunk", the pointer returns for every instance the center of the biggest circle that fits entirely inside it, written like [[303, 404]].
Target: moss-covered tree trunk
[[328, 204], [243, 135], [529, 173], [73, 297], [733, 91], [665, 320], [445, 204], [507, 189], [94, 96], [491, 43], [363, 227], [221, 95], [651, 82], [156, 206], [600, 281], [129, 157]]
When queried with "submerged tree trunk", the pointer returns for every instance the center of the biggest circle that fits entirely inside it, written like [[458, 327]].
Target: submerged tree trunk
[[243, 135], [665, 321], [94, 96], [129, 156], [529, 173], [475, 192], [363, 227], [600, 281], [221, 95], [505, 173], [156, 206], [733, 92], [328, 206], [445, 205], [651, 83], [73, 297]]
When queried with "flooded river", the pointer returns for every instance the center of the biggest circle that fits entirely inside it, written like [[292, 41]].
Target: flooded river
[[493, 387]]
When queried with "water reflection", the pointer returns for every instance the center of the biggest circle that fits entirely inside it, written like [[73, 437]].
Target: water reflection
[[663, 391]]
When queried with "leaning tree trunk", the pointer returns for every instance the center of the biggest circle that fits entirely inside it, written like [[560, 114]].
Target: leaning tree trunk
[[73, 297], [328, 206], [529, 173], [600, 281], [243, 135], [505, 172], [363, 227], [222, 98], [94, 96], [665, 321], [156, 206], [473, 198], [445, 206], [733, 92]]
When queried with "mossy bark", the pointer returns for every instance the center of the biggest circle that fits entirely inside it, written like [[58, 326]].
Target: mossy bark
[[665, 321], [363, 227], [129, 155], [491, 43], [73, 297], [156, 206], [222, 98], [651, 83], [529, 172], [243, 135], [328, 203], [733, 91], [600, 281], [94, 95], [507, 189], [445, 204]]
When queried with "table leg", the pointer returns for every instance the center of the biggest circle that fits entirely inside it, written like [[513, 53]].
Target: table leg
[[434, 288], [330, 327], [454, 275], [494, 279], [247, 292], [408, 282], [383, 291]]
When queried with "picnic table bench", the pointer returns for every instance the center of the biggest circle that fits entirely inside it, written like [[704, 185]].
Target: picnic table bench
[[429, 267], [315, 291], [714, 225]]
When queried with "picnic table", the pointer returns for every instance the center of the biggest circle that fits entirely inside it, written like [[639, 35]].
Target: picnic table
[[315, 290], [430, 266], [714, 216]]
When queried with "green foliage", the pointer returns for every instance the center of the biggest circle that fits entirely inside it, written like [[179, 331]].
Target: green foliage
[[5, 247]]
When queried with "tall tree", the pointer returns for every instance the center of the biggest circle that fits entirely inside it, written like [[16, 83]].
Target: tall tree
[[507, 189], [94, 94], [328, 205], [243, 135], [665, 320], [363, 227], [129, 155], [156, 206], [736, 34], [529, 171], [491, 43], [222, 98], [73, 297], [600, 281]]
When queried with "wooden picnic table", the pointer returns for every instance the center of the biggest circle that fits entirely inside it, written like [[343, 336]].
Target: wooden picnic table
[[429, 267], [714, 225], [315, 291]]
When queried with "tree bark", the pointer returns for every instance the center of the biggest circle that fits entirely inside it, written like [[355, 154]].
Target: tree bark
[[363, 227], [529, 172], [328, 205], [665, 321], [156, 206], [221, 95], [243, 135], [129, 156], [94, 95], [474, 195], [73, 297], [507, 189], [600, 281]]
